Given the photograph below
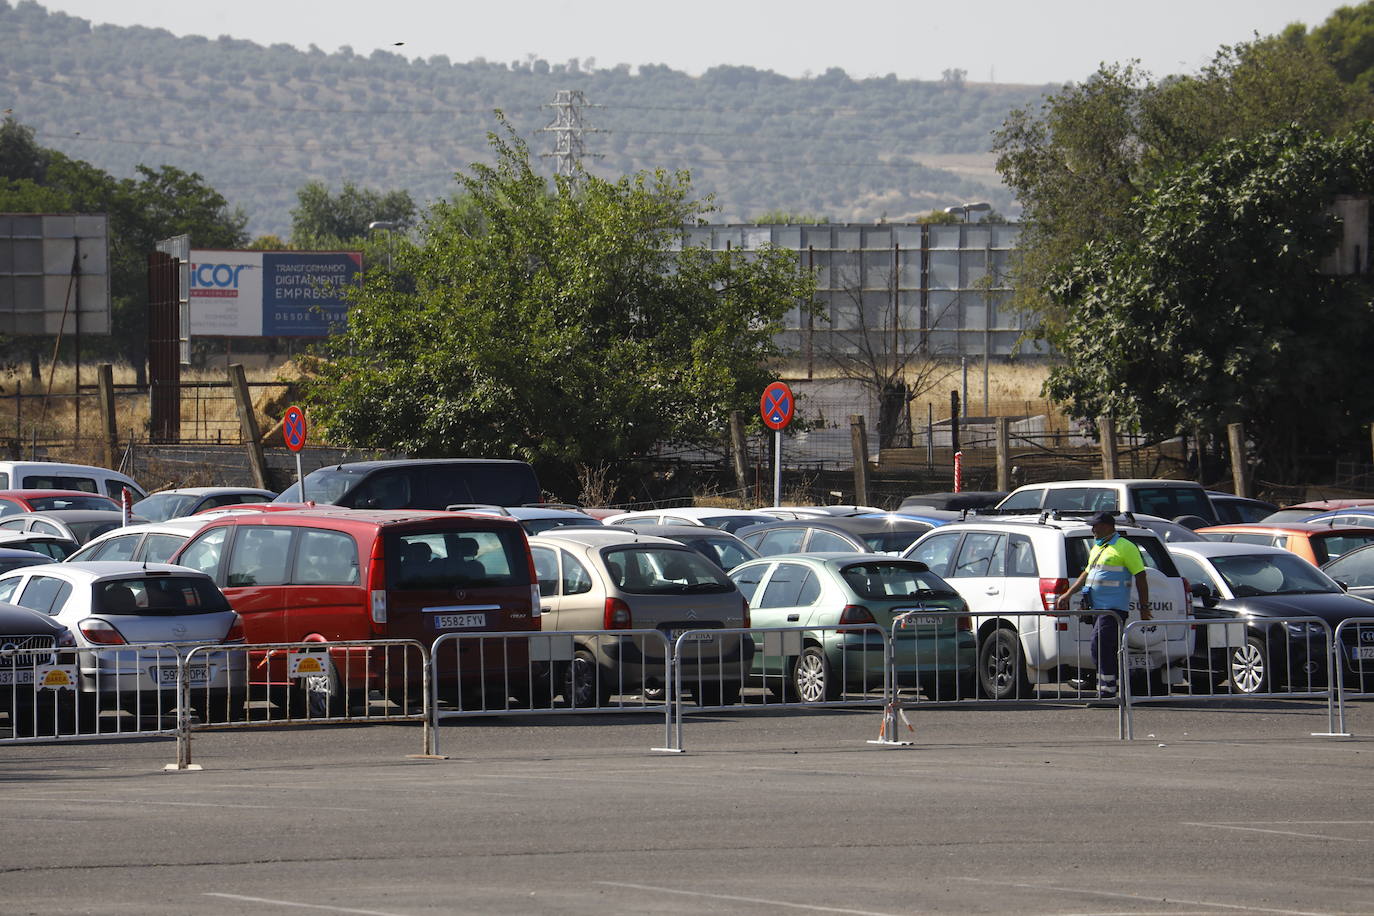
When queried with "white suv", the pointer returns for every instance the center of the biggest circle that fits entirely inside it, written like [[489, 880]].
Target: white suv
[[1171, 499], [1005, 564]]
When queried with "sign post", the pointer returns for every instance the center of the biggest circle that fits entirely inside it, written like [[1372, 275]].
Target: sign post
[[293, 433], [776, 407]]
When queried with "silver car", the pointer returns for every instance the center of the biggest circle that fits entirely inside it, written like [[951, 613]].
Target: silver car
[[111, 604], [608, 579]]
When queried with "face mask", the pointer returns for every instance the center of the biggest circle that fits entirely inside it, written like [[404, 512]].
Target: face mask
[[1102, 542]]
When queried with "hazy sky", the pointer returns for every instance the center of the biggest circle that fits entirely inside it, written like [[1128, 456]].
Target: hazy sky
[[1008, 41]]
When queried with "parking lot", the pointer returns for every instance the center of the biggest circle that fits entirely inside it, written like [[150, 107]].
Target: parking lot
[[1219, 808]]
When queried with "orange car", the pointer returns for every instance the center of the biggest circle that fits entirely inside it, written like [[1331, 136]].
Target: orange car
[[1315, 542]]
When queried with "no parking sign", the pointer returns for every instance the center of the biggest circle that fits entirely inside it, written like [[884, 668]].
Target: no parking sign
[[777, 407]]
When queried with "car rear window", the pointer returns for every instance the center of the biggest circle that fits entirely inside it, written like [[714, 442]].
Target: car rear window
[[52, 482], [892, 541], [440, 559], [1152, 551], [878, 581], [663, 570], [43, 503], [159, 596]]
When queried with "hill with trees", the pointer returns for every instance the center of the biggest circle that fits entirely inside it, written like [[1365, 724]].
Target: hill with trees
[[259, 123]]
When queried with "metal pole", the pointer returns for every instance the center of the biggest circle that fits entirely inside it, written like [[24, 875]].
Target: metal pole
[[777, 467], [300, 478]]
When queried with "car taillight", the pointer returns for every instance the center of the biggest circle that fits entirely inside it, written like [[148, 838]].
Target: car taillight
[[1050, 590], [235, 633], [855, 613], [535, 610], [747, 621], [100, 632], [963, 624], [66, 640], [376, 583], [617, 615]]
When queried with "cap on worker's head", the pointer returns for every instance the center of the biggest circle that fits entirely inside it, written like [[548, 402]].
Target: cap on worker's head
[[1103, 518]]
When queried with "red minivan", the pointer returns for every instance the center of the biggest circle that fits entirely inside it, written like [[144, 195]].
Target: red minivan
[[329, 574]]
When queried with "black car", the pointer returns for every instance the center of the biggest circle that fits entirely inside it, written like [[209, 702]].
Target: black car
[[28, 640], [964, 499], [422, 483], [858, 534], [720, 547], [1239, 510], [1248, 583]]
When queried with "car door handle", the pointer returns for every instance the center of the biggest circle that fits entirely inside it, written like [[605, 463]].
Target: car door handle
[[793, 617], [993, 590]]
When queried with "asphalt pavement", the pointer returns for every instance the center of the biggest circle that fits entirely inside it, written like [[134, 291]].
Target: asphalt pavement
[[1213, 809]]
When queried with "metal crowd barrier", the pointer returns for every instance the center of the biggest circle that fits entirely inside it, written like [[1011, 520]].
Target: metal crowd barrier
[[1247, 649], [795, 667], [1354, 640], [563, 672]]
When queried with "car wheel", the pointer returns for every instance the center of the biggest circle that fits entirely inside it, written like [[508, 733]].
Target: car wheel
[[812, 681], [1002, 667], [1249, 666], [582, 682], [711, 692], [317, 696]]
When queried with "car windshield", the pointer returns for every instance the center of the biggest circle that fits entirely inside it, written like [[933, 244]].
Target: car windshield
[[1171, 502], [43, 503], [727, 553], [879, 580], [159, 507], [536, 525], [647, 570], [1271, 574], [159, 596], [325, 486]]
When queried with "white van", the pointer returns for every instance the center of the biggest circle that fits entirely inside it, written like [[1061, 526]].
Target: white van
[[50, 475]]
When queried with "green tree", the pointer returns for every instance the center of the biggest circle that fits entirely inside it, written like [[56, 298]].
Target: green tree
[[570, 328], [1219, 311], [324, 220], [20, 157], [1346, 39]]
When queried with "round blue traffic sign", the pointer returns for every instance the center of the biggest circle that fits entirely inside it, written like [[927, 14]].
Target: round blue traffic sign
[[777, 405], [293, 428]]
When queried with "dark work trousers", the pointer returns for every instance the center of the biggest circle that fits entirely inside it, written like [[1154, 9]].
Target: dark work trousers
[[1106, 642]]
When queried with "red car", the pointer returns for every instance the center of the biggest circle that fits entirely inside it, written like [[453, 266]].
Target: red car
[[14, 502], [330, 574]]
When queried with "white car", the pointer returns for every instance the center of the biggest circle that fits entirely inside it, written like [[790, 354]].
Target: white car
[[1171, 499], [730, 520], [791, 512], [154, 542], [1024, 563], [51, 475], [133, 604]]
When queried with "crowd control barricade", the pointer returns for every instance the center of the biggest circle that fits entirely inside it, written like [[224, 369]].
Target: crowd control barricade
[[554, 672], [1290, 657], [106, 692], [298, 683], [1354, 644], [787, 667]]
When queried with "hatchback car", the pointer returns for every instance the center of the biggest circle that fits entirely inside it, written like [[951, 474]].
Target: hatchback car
[[1002, 565], [56, 546], [935, 651], [1314, 542], [720, 547], [10, 558], [13, 502], [890, 534], [731, 520], [613, 579], [79, 525], [330, 574], [134, 604], [1233, 509], [1248, 583], [154, 542], [534, 519], [176, 503]]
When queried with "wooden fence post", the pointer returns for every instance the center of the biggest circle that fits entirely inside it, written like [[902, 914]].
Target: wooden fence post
[[1003, 453], [739, 454], [109, 435], [1106, 431], [1240, 461], [858, 437], [248, 423]]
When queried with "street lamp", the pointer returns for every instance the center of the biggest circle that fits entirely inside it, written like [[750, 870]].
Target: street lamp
[[966, 209], [390, 226]]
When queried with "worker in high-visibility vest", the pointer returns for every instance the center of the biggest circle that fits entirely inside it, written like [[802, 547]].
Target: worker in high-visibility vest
[[1113, 564]]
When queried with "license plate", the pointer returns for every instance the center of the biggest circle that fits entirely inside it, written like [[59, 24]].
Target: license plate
[[459, 621], [1138, 661], [925, 620], [693, 636], [1359, 653], [167, 677], [19, 676]]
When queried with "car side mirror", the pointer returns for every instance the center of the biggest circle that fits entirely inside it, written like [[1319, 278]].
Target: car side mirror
[[1345, 586], [1201, 590]]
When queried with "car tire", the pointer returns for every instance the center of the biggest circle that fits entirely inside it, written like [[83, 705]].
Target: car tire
[[581, 682], [812, 681], [318, 696], [1248, 666], [1002, 666]]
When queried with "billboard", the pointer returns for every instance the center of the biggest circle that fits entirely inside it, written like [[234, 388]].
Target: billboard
[[54, 273], [270, 293]]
